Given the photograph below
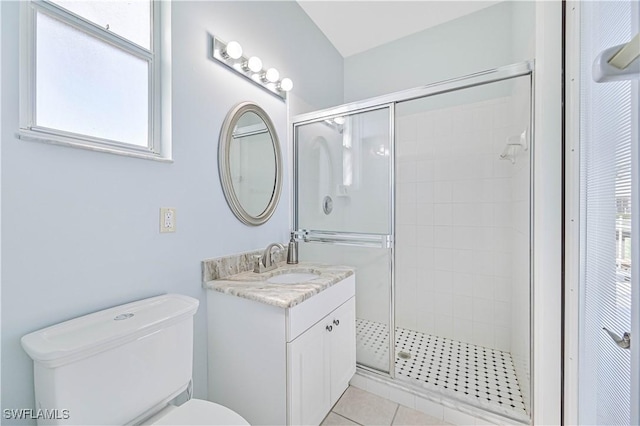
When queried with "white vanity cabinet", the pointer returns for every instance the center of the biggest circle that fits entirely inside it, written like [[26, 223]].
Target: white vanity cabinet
[[277, 366], [321, 362]]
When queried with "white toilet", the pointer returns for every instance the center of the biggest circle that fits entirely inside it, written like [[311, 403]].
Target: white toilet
[[123, 365]]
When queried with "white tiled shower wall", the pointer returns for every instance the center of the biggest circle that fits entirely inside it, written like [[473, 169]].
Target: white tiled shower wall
[[454, 223]]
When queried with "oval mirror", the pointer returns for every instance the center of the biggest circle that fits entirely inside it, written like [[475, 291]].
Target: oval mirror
[[250, 163]]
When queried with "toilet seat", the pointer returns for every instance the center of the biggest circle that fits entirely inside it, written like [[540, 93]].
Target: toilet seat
[[200, 412]]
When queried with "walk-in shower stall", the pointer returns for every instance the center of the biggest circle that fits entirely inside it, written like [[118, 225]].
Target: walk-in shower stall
[[427, 192]]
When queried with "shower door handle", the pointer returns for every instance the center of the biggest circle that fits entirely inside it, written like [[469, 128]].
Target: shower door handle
[[384, 241], [624, 342]]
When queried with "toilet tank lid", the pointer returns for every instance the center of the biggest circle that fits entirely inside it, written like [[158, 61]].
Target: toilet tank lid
[[96, 332]]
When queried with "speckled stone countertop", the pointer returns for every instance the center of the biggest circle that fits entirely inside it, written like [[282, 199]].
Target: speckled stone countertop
[[254, 286], [225, 266]]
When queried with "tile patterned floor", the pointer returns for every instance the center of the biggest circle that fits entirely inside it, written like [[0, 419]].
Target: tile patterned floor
[[358, 407], [372, 344], [473, 373]]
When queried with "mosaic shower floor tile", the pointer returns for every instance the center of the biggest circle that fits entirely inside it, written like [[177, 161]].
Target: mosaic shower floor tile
[[476, 374]]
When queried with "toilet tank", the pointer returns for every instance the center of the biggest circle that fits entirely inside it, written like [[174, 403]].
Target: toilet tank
[[115, 366]]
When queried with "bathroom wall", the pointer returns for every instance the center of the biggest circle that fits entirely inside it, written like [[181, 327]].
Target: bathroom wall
[[453, 249], [498, 35], [80, 228]]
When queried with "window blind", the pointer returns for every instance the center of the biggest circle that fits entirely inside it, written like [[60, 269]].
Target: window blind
[[605, 138]]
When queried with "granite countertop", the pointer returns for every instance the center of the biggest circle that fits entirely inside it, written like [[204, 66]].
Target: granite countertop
[[253, 286]]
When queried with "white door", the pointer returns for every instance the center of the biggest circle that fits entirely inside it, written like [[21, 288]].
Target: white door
[[608, 368], [309, 376], [343, 348]]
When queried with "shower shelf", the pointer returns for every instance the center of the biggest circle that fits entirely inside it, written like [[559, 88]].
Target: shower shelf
[[514, 143]]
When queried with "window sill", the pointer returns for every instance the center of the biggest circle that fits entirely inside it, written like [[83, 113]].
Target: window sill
[[34, 136]]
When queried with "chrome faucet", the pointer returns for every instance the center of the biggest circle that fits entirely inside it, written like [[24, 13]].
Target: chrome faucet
[[265, 262]]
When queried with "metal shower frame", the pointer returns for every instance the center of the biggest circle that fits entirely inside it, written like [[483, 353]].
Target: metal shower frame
[[389, 101]]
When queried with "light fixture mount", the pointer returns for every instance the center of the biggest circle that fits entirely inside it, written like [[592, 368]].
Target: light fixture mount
[[248, 67]]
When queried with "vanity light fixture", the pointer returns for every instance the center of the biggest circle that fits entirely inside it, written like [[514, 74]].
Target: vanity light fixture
[[233, 50], [271, 75], [286, 84], [231, 55], [253, 64]]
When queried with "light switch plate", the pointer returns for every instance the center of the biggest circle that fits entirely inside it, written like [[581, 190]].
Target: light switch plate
[[167, 219]]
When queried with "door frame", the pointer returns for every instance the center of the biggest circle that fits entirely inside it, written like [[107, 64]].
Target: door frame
[[571, 295]]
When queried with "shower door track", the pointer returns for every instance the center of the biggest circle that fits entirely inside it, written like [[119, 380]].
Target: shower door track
[[471, 80]]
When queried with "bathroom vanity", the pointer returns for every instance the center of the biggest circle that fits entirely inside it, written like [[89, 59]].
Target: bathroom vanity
[[282, 344]]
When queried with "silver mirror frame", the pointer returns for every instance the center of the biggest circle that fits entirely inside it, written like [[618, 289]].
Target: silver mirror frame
[[224, 166]]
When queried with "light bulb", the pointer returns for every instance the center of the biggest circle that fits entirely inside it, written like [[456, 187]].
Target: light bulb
[[233, 50], [272, 75], [286, 84], [253, 64]]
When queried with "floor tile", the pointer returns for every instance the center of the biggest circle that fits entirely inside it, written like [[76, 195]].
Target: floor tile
[[408, 417], [365, 408], [334, 419]]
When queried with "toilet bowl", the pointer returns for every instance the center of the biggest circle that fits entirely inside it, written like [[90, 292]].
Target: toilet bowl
[[197, 412], [123, 365]]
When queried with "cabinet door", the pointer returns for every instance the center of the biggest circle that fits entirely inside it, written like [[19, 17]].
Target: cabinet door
[[343, 347], [309, 376]]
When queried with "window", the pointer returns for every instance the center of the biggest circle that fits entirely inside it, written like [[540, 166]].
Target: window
[[608, 133], [95, 74]]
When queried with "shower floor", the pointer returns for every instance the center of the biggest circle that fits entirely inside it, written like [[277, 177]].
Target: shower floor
[[475, 374]]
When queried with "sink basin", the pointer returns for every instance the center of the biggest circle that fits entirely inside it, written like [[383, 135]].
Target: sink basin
[[293, 278]]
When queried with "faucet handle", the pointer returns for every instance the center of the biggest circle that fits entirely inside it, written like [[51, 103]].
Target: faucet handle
[[277, 253], [257, 263], [266, 262], [268, 253]]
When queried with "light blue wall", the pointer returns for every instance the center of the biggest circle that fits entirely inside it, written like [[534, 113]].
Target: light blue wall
[[492, 37], [80, 229]]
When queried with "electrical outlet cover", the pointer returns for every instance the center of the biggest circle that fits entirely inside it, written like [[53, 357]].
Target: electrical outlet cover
[[167, 219]]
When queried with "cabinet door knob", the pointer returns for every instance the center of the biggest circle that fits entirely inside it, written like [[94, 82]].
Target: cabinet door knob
[[336, 322], [329, 328]]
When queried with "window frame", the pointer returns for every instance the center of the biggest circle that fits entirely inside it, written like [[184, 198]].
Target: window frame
[[159, 81]]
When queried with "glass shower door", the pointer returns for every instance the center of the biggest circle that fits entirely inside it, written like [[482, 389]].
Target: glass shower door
[[343, 214]]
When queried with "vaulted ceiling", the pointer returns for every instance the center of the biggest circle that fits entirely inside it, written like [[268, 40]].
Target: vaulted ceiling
[[356, 26]]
